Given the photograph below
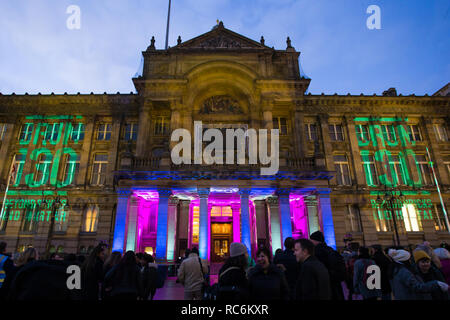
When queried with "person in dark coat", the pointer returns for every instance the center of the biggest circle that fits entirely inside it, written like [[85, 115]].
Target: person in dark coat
[[384, 262], [313, 282], [428, 272], [334, 263], [124, 281], [267, 281], [92, 273], [233, 283], [287, 262], [149, 274]]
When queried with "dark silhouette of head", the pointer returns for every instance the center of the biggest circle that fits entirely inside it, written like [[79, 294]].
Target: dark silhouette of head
[[289, 243]]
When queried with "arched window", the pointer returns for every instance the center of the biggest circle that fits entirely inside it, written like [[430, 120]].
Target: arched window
[[90, 219]]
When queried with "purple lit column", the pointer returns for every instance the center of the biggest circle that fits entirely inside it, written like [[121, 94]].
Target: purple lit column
[[327, 217], [161, 233], [236, 223], [203, 238], [285, 213], [245, 219], [132, 224], [121, 219]]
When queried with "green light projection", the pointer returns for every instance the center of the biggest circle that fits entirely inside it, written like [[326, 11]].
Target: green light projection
[[376, 135], [44, 141]]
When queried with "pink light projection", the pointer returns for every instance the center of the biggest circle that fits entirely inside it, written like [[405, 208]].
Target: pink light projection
[[299, 216]]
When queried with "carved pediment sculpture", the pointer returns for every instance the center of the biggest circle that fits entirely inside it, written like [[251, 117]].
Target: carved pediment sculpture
[[220, 104]]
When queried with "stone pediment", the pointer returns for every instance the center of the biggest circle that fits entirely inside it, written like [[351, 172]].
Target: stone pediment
[[220, 37]]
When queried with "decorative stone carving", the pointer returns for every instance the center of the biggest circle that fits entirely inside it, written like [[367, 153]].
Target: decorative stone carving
[[221, 41], [220, 104]]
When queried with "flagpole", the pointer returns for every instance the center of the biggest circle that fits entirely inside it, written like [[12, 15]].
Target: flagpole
[[439, 191], [167, 28], [7, 186]]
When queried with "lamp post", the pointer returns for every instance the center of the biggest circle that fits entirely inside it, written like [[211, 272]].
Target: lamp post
[[56, 205], [388, 201]]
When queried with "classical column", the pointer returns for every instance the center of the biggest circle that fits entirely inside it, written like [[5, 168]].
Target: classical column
[[355, 153], [161, 233], [274, 227], [203, 237], [261, 225], [236, 223], [299, 133], [313, 217], [132, 224], [327, 147], [144, 126], [171, 228], [114, 148], [183, 221], [121, 219], [285, 213], [245, 218], [327, 216]]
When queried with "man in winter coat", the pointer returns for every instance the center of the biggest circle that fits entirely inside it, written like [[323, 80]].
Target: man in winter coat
[[190, 274], [313, 281], [334, 263], [287, 261]]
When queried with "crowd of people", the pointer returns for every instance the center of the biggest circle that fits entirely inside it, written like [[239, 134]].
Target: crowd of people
[[114, 277], [304, 270]]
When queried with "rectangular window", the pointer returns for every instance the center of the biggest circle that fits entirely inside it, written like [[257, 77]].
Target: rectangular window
[[439, 218], [280, 124], [411, 218], [311, 131], [26, 132], [104, 132], [362, 132], [77, 132], [447, 164], [397, 170], [99, 169], [19, 163], [424, 169], [52, 132], [161, 126], [383, 220], [336, 133], [29, 220], [71, 169], [370, 170], [342, 170], [441, 132], [389, 132], [131, 131], [353, 218], [3, 127], [43, 169], [414, 133]]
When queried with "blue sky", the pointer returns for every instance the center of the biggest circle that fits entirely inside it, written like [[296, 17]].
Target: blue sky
[[38, 53]]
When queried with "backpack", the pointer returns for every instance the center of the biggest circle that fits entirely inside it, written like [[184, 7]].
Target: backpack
[[336, 264], [2, 270]]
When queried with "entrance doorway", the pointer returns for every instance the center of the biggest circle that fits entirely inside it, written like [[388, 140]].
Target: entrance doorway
[[221, 236]]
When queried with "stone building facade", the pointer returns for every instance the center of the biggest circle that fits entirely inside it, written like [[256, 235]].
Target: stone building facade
[[101, 166]]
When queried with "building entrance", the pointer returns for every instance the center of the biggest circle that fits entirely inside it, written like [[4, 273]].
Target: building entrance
[[221, 236]]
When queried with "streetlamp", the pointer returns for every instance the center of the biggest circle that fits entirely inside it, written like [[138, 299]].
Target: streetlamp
[[388, 201], [57, 203]]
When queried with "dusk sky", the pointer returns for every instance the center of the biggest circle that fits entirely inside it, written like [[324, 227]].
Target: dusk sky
[[411, 52]]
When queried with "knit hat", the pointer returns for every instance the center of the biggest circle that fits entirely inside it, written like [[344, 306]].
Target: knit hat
[[318, 236], [442, 253], [419, 255], [399, 255], [237, 249]]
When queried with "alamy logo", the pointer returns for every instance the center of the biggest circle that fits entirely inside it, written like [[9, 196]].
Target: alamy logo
[[373, 277], [74, 280], [248, 141]]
